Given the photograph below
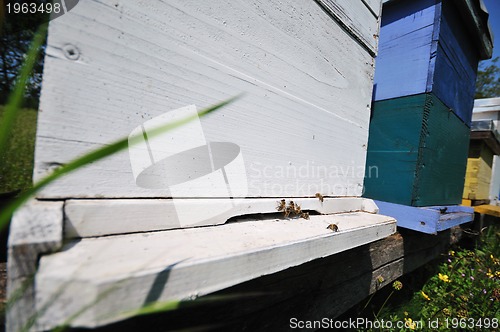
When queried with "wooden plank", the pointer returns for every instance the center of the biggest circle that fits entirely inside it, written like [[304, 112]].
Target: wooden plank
[[109, 68], [87, 218], [477, 20], [375, 6], [456, 64], [422, 220], [357, 18], [486, 108], [452, 208], [427, 220], [489, 137], [417, 152], [446, 221], [491, 210], [311, 291], [405, 47], [35, 229], [181, 264]]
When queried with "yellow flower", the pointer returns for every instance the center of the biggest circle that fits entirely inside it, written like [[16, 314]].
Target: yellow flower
[[425, 296], [410, 323], [452, 253], [397, 285], [406, 313], [444, 277], [497, 274]]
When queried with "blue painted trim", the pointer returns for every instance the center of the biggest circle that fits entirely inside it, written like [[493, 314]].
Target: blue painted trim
[[449, 220], [428, 219], [453, 208]]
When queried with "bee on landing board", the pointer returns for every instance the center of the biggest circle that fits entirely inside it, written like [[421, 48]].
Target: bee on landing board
[[333, 227], [281, 205], [291, 209]]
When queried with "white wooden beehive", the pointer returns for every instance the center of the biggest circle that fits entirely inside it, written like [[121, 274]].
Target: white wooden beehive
[[119, 68]]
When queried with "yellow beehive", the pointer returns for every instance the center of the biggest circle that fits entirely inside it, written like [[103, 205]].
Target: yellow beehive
[[478, 175]]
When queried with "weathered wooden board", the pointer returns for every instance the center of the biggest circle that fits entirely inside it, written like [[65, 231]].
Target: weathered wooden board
[[112, 66], [87, 218], [36, 229], [362, 24], [112, 273], [375, 6], [311, 291], [429, 46], [416, 153]]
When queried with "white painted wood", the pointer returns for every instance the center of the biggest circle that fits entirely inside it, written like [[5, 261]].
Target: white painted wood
[[355, 17], [495, 182], [111, 66], [486, 109], [375, 6], [130, 270], [35, 229], [87, 218]]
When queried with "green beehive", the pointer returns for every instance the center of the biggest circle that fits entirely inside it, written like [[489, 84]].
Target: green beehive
[[416, 145]]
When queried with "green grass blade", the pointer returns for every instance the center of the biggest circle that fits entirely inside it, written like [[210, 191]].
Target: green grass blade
[[96, 155], [17, 95]]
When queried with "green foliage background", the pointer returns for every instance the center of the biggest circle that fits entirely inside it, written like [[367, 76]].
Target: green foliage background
[[488, 80], [16, 162]]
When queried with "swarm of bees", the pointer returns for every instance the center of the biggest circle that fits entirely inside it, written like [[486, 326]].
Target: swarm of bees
[[292, 209]]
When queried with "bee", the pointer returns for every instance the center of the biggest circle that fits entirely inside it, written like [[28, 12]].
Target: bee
[[305, 215], [281, 205], [443, 210], [333, 227], [320, 197]]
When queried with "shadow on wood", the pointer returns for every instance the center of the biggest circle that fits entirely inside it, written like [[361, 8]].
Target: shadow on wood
[[323, 288]]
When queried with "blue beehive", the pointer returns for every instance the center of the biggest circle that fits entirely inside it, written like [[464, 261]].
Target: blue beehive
[[424, 93]]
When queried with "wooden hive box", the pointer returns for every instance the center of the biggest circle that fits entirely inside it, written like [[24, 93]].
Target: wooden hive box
[[120, 68], [480, 184], [478, 175], [424, 86]]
